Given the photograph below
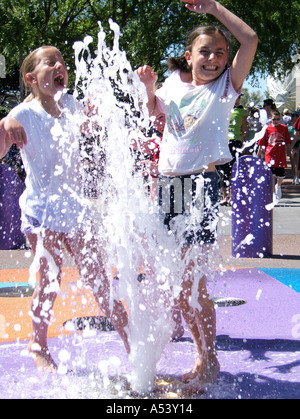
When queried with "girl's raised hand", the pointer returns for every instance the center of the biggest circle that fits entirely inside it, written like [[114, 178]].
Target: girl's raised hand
[[199, 6], [149, 78], [147, 75]]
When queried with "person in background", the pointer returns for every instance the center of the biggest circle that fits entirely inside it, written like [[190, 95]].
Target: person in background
[[238, 132], [295, 147], [265, 112], [276, 142], [253, 123], [286, 116]]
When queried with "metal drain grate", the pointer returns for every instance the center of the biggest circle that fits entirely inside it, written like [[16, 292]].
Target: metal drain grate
[[93, 322], [228, 301]]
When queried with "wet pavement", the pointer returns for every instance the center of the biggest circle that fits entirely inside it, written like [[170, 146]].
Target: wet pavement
[[258, 343]]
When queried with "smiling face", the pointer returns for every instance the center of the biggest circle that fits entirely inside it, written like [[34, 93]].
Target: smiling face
[[207, 58], [50, 74]]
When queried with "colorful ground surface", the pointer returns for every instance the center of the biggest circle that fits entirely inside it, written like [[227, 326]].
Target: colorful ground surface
[[258, 343]]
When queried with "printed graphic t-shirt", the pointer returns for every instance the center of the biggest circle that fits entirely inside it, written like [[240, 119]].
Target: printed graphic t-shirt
[[275, 140], [197, 119]]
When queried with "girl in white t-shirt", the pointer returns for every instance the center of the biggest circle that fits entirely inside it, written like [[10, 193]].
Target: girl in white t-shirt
[[54, 215], [197, 100]]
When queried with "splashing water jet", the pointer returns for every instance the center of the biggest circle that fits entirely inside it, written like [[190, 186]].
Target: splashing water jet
[[146, 257], [135, 241]]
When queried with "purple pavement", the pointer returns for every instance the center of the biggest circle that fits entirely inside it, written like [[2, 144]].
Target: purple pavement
[[259, 342], [258, 346], [270, 310]]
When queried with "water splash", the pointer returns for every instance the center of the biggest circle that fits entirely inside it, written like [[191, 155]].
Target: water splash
[[136, 244], [144, 256]]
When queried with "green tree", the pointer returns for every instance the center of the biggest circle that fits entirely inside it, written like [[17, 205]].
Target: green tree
[[251, 99], [278, 27], [26, 27], [151, 30]]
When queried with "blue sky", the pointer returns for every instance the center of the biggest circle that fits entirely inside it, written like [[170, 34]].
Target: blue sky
[[262, 80]]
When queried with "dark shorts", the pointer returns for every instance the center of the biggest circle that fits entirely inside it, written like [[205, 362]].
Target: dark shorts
[[278, 171], [189, 207], [30, 224]]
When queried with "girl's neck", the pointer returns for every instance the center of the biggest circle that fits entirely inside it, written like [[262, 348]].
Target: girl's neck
[[186, 77], [51, 106]]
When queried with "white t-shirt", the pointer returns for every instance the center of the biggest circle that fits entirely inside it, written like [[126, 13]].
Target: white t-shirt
[[264, 119], [197, 119], [53, 195]]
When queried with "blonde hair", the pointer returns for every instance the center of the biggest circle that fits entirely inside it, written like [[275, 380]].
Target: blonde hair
[[28, 66]]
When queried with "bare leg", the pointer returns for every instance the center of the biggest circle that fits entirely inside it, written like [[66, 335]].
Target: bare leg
[[280, 181], [178, 331], [274, 184], [43, 300], [294, 163], [202, 325], [93, 273]]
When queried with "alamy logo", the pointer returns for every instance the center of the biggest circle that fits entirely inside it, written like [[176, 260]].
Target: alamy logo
[[2, 67]]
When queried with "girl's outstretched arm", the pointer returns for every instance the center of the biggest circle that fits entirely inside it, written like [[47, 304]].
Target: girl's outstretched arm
[[11, 132], [247, 38], [5, 144]]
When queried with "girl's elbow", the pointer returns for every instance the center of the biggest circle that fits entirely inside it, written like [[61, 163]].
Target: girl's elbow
[[254, 39], [3, 148]]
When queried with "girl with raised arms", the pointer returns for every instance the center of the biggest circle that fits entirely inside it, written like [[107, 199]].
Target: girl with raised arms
[[197, 100]]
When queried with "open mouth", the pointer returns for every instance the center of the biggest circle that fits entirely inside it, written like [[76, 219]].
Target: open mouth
[[59, 80], [210, 67]]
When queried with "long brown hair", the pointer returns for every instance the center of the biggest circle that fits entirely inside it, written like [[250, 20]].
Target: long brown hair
[[180, 63]]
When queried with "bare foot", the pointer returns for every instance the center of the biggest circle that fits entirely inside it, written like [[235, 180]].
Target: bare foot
[[205, 371], [42, 358], [194, 373], [194, 386]]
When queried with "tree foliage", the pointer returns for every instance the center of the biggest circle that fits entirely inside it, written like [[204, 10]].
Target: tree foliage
[[278, 27], [253, 98], [151, 30]]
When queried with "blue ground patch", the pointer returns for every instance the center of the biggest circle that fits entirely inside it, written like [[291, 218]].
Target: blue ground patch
[[288, 277]]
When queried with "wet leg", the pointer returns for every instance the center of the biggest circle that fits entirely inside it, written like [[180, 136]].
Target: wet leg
[[92, 271], [178, 331], [201, 321], [49, 279]]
